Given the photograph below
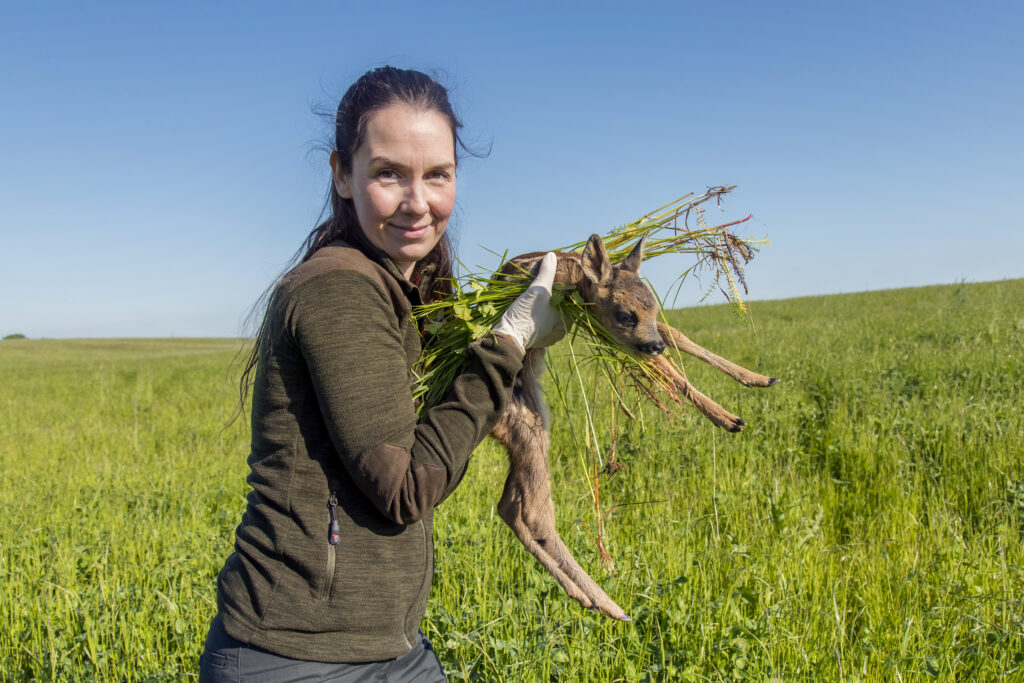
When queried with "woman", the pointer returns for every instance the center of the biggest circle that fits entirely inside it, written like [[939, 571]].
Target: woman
[[333, 558]]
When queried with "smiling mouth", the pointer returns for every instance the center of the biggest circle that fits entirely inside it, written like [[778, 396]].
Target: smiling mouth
[[410, 231]]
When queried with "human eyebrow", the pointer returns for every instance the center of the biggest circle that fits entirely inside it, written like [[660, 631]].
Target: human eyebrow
[[448, 167], [380, 162], [384, 161]]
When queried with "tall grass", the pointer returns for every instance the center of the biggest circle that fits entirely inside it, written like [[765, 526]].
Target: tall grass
[[120, 490], [866, 525]]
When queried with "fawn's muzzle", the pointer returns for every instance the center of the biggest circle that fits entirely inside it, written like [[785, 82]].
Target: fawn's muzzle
[[652, 348]]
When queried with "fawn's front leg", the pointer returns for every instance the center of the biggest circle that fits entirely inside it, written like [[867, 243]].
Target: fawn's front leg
[[711, 410], [676, 339], [525, 503]]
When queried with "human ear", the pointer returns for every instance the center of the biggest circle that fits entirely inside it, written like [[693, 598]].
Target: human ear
[[341, 181]]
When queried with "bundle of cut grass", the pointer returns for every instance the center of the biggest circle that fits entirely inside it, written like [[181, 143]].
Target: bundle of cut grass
[[478, 300]]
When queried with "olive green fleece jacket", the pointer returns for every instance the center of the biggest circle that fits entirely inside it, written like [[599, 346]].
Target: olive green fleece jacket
[[335, 436]]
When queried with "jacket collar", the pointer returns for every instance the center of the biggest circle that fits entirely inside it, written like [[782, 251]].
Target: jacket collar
[[417, 291]]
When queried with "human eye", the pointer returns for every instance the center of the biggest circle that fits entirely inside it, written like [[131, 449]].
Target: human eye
[[440, 175], [387, 174]]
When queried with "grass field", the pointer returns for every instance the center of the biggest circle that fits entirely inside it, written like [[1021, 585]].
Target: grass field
[[867, 524]]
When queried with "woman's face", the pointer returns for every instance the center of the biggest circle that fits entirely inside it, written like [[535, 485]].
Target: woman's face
[[402, 181]]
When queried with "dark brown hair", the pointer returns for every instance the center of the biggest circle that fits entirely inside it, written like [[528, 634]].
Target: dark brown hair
[[373, 91]]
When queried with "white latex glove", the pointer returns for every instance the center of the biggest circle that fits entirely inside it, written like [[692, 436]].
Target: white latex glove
[[531, 319]]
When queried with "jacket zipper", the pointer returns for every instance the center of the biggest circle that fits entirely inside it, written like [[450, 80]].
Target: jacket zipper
[[334, 533], [333, 538], [428, 577]]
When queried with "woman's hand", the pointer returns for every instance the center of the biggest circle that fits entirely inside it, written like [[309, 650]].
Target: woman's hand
[[531, 320]]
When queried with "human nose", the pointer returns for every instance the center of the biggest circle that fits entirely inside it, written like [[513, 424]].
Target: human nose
[[415, 199]]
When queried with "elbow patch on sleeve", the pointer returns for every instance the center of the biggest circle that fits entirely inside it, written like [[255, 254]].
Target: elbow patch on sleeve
[[401, 489]]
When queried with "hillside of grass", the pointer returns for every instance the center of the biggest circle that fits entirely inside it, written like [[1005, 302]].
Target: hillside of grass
[[866, 525]]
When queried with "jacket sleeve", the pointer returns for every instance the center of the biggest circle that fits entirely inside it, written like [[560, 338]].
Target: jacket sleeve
[[347, 330]]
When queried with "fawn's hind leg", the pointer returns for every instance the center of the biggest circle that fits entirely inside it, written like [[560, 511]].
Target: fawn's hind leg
[[525, 503]]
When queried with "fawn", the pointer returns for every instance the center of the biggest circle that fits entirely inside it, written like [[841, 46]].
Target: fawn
[[626, 307]]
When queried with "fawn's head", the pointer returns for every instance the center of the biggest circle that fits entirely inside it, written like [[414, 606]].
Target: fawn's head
[[622, 302]]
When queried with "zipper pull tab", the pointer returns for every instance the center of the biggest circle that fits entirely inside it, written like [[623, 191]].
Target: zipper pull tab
[[334, 534]]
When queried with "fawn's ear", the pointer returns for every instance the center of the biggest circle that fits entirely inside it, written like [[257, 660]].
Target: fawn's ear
[[596, 266], [636, 257]]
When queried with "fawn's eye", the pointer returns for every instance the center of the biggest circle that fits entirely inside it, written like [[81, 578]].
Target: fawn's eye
[[626, 318]]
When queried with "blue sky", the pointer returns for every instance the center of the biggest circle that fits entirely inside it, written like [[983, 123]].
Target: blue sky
[[160, 163]]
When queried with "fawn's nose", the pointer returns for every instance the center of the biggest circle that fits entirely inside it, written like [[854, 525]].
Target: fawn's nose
[[651, 348]]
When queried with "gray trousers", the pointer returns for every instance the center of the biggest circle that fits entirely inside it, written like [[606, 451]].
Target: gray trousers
[[226, 659]]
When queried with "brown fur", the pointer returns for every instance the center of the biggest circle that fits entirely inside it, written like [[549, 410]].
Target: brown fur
[[629, 311]]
